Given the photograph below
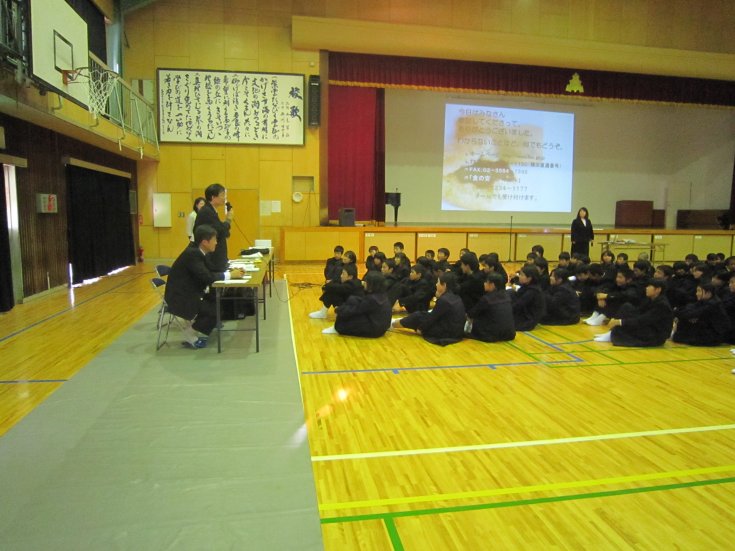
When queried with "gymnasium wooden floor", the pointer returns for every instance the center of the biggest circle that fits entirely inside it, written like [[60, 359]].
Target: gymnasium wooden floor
[[551, 441]]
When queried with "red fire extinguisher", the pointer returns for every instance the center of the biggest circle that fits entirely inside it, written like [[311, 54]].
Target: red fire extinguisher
[[140, 254]]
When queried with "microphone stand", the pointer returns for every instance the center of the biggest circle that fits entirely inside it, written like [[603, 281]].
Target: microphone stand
[[510, 239]]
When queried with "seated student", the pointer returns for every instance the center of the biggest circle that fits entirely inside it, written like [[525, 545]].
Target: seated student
[[702, 323], [714, 262], [367, 315], [333, 267], [543, 270], [530, 261], [648, 325], [377, 265], [370, 260], [728, 303], [398, 248], [445, 323], [621, 259], [392, 282], [642, 271], [528, 302], [700, 272], [187, 281], [720, 281], [336, 293], [610, 302], [691, 259], [682, 284], [442, 260], [430, 254], [730, 263], [499, 266], [457, 266], [403, 265], [430, 267], [562, 302], [564, 258], [417, 291], [490, 265], [471, 281], [491, 319], [539, 250], [585, 289]]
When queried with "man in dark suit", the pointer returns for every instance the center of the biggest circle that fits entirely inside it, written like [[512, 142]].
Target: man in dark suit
[[189, 278], [216, 197]]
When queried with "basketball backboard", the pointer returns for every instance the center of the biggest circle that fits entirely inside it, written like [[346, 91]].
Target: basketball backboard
[[59, 42]]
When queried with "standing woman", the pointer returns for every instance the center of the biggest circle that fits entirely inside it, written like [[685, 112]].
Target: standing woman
[[198, 203], [582, 233]]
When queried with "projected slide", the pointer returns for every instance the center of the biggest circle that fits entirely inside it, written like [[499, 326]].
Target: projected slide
[[501, 159]]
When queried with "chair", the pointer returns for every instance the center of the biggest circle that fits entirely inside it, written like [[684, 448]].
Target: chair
[[162, 270], [163, 312]]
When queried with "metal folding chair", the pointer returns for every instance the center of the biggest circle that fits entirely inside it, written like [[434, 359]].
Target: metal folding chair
[[162, 270], [165, 317]]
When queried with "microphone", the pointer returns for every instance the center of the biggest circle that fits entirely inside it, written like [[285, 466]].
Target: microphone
[[228, 206]]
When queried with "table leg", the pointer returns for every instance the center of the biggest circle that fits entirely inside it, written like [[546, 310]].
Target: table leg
[[257, 322], [218, 295]]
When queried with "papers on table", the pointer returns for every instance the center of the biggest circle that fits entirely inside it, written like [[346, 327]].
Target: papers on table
[[245, 266]]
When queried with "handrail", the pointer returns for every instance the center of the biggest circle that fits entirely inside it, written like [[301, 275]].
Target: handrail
[[128, 109]]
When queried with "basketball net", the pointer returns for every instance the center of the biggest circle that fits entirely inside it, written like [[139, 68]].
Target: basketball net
[[101, 82]]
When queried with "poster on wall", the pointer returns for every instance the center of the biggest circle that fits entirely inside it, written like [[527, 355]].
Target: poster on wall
[[230, 107]]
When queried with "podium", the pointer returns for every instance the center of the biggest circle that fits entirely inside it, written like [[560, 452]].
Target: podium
[[394, 200]]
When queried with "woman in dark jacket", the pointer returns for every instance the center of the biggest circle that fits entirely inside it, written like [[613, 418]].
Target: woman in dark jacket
[[445, 323], [582, 232], [529, 305], [367, 315], [492, 317]]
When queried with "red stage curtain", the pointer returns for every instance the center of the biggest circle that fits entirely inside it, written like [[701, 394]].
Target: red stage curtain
[[441, 74], [356, 152]]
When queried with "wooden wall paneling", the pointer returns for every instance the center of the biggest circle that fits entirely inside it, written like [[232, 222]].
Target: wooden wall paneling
[[550, 242], [704, 244], [384, 241], [677, 247], [453, 241], [483, 243]]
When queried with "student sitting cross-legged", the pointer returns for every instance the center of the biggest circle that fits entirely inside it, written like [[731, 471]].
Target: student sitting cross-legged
[[702, 323], [367, 315], [647, 325], [529, 304], [445, 323], [562, 302], [337, 292], [491, 319], [417, 291]]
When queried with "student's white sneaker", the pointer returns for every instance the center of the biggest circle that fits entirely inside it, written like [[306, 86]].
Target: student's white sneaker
[[602, 319], [593, 317], [732, 351], [320, 314], [329, 331], [604, 337]]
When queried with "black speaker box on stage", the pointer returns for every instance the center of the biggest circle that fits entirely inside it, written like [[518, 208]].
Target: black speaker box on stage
[[346, 217], [315, 100]]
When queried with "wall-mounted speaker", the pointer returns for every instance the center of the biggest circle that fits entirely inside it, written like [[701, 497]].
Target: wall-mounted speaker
[[315, 100]]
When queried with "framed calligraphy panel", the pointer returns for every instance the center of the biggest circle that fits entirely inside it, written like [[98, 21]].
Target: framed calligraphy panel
[[230, 107]]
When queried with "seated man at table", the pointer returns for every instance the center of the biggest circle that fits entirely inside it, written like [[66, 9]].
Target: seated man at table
[[187, 283]]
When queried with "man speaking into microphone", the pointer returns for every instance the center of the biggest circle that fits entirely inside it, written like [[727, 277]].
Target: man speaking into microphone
[[216, 197]]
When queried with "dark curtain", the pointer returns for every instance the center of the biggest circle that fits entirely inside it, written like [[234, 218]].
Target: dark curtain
[[6, 275], [441, 74], [356, 153], [100, 229]]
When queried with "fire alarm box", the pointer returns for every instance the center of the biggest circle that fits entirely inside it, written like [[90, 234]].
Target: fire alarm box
[[46, 203]]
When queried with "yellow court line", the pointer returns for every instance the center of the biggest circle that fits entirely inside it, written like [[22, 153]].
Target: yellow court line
[[522, 489], [520, 444]]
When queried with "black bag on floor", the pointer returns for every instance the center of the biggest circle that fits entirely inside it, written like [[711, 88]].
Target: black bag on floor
[[236, 304]]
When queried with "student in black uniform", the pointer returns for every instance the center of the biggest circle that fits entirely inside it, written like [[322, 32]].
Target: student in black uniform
[[445, 323], [417, 291], [562, 302], [492, 264], [336, 293], [365, 315], [333, 266], [370, 260], [702, 323], [471, 281], [609, 269], [649, 325], [403, 265], [610, 302], [377, 264], [683, 286], [564, 258], [528, 301], [622, 260], [392, 283], [491, 319], [442, 259]]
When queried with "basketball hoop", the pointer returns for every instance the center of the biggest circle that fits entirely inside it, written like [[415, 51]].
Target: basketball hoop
[[101, 83]]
